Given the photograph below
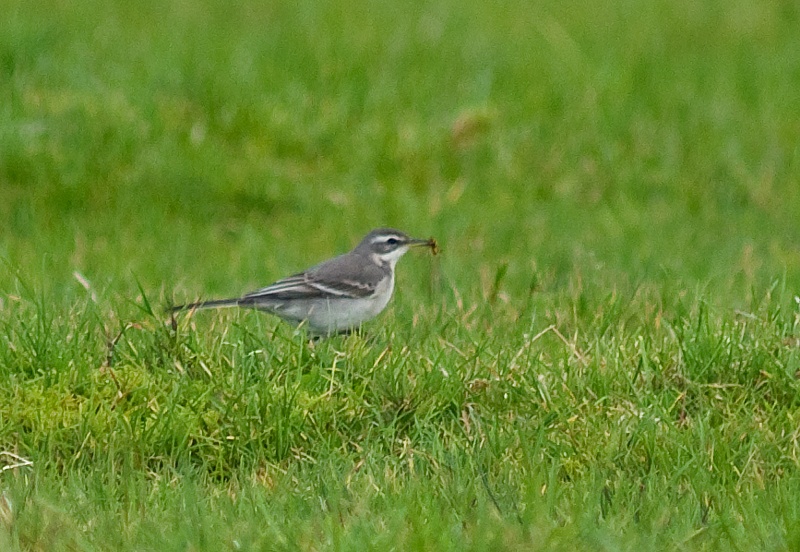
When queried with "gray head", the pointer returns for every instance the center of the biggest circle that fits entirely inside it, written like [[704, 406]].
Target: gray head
[[388, 245]]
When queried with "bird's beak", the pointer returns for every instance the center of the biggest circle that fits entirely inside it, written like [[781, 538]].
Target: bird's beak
[[415, 242]]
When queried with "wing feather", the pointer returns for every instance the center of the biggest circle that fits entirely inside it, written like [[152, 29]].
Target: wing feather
[[339, 277]]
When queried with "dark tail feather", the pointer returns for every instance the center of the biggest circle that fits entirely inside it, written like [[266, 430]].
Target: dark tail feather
[[206, 305]]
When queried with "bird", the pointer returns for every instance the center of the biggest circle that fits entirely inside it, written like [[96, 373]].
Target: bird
[[335, 296]]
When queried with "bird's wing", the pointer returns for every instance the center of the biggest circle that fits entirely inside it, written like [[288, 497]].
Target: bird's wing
[[336, 278]]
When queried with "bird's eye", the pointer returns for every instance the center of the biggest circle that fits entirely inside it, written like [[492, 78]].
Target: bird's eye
[[392, 241]]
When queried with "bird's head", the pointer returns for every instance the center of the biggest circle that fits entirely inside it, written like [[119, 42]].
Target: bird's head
[[387, 245]]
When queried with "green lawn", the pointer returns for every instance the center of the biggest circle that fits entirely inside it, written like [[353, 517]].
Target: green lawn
[[605, 356]]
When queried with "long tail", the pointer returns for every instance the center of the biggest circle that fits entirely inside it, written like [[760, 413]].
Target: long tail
[[220, 303]]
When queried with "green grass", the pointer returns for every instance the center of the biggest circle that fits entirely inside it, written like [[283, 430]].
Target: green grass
[[606, 356]]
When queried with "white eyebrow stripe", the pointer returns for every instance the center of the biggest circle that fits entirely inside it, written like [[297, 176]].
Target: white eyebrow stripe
[[385, 237]]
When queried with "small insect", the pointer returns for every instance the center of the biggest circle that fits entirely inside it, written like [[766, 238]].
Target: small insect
[[433, 245]]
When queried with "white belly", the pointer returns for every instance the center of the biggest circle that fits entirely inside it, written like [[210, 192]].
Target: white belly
[[336, 315]]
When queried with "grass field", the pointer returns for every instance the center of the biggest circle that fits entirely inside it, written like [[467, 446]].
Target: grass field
[[605, 356]]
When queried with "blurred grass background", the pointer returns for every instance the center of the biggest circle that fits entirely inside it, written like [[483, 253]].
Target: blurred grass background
[[656, 139], [615, 189]]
